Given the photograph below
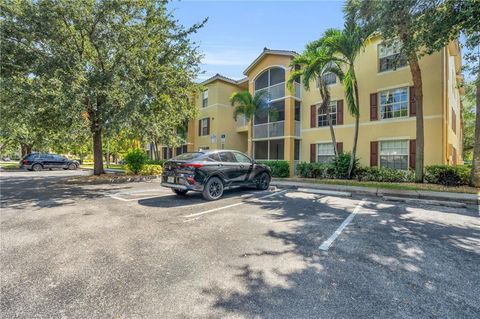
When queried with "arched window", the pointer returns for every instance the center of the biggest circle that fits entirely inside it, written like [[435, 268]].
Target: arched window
[[272, 80]]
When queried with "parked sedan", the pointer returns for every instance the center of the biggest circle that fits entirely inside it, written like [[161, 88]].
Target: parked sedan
[[38, 161], [211, 172]]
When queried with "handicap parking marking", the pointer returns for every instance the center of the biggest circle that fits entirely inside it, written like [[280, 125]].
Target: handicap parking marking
[[233, 205], [326, 244]]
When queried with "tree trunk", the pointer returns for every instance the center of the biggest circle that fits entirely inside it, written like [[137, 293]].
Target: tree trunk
[[357, 124], [475, 176], [97, 152], [26, 149], [332, 133], [417, 83], [251, 138]]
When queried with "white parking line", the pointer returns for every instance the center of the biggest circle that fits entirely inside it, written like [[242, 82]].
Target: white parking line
[[326, 244], [232, 205]]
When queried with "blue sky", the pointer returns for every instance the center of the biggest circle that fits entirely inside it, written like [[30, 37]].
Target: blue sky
[[237, 31]]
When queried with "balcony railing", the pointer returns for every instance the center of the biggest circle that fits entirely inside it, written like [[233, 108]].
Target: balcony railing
[[297, 128], [298, 90], [274, 92], [241, 121], [267, 130]]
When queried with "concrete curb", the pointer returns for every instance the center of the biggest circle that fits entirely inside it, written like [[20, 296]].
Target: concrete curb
[[380, 192]]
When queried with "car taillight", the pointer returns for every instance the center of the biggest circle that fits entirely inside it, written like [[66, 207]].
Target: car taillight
[[195, 165], [25, 162]]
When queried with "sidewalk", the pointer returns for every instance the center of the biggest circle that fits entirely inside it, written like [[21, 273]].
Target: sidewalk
[[386, 193]]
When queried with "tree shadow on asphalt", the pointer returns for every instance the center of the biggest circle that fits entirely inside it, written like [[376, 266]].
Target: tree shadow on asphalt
[[388, 263], [42, 191]]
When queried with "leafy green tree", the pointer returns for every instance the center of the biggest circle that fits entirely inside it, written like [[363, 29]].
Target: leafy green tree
[[468, 120], [343, 47], [314, 63], [422, 27], [112, 61], [247, 105]]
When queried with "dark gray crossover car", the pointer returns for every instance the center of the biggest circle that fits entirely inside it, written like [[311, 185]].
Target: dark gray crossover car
[[210, 172], [39, 161]]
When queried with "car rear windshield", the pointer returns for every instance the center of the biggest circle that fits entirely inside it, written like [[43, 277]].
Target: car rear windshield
[[187, 156]]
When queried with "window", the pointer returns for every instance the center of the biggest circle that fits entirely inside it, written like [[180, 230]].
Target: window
[[227, 157], [167, 152], [276, 149], [325, 152], [329, 78], [241, 158], [204, 127], [394, 154], [214, 157], [272, 113], [322, 116], [390, 58], [272, 80], [394, 103], [269, 150], [181, 149], [454, 122], [205, 98]]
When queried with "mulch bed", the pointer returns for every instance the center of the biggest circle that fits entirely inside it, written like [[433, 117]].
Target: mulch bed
[[110, 179]]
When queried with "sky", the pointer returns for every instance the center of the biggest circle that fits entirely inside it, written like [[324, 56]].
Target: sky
[[237, 31]]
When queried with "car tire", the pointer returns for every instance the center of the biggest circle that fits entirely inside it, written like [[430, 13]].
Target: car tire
[[213, 189], [263, 181], [72, 167], [37, 167], [180, 192]]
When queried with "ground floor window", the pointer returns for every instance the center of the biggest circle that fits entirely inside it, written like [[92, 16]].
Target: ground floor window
[[167, 152], [181, 149], [269, 150], [325, 152], [394, 154], [296, 150]]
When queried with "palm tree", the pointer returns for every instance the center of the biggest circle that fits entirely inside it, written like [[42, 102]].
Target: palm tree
[[314, 62], [343, 47], [247, 105]]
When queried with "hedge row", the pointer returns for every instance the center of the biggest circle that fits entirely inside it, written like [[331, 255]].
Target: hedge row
[[279, 168]]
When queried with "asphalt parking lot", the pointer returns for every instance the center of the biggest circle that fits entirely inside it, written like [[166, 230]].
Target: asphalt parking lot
[[138, 251]]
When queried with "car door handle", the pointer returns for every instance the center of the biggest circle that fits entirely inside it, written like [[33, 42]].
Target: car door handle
[[241, 166]]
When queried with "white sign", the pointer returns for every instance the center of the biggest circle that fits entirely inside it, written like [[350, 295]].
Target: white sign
[[222, 138], [213, 138]]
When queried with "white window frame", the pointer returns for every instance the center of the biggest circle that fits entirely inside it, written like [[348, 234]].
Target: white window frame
[[395, 152], [323, 116], [204, 126], [325, 152], [205, 98], [404, 104], [385, 51]]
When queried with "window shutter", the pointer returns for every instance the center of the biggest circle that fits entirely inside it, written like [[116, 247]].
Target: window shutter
[[340, 147], [373, 153], [412, 154], [199, 127], [454, 155], [340, 112], [373, 107], [208, 126], [413, 106], [313, 116], [313, 153]]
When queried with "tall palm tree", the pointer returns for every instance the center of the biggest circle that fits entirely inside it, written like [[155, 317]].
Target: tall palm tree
[[314, 62], [247, 105], [343, 47]]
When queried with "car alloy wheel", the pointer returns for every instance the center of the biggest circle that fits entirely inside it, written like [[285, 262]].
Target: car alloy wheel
[[37, 167], [72, 166], [263, 181], [213, 189]]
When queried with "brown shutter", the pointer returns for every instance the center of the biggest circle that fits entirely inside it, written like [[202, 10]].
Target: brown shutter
[[340, 112], [313, 153], [373, 107], [454, 155], [313, 116], [208, 126], [412, 154], [340, 147], [199, 127], [413, 107], [373, 153]]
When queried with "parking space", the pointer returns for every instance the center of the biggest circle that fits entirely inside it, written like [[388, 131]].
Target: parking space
[[139, 251]]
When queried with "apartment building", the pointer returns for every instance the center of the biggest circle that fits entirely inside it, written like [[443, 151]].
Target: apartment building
[[299, 132]]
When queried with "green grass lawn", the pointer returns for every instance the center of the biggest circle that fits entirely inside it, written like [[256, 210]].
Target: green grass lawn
[[400, 186], [9, 165], [116, 166]]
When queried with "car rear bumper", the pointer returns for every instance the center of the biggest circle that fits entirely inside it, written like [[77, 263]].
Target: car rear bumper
[[181, 183]]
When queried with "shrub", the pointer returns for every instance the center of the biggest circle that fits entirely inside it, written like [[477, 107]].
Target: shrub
[[279, 168], [135, 160], [384, 174], [151, 169], [316, 170], [448, 175], [341, 163]]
